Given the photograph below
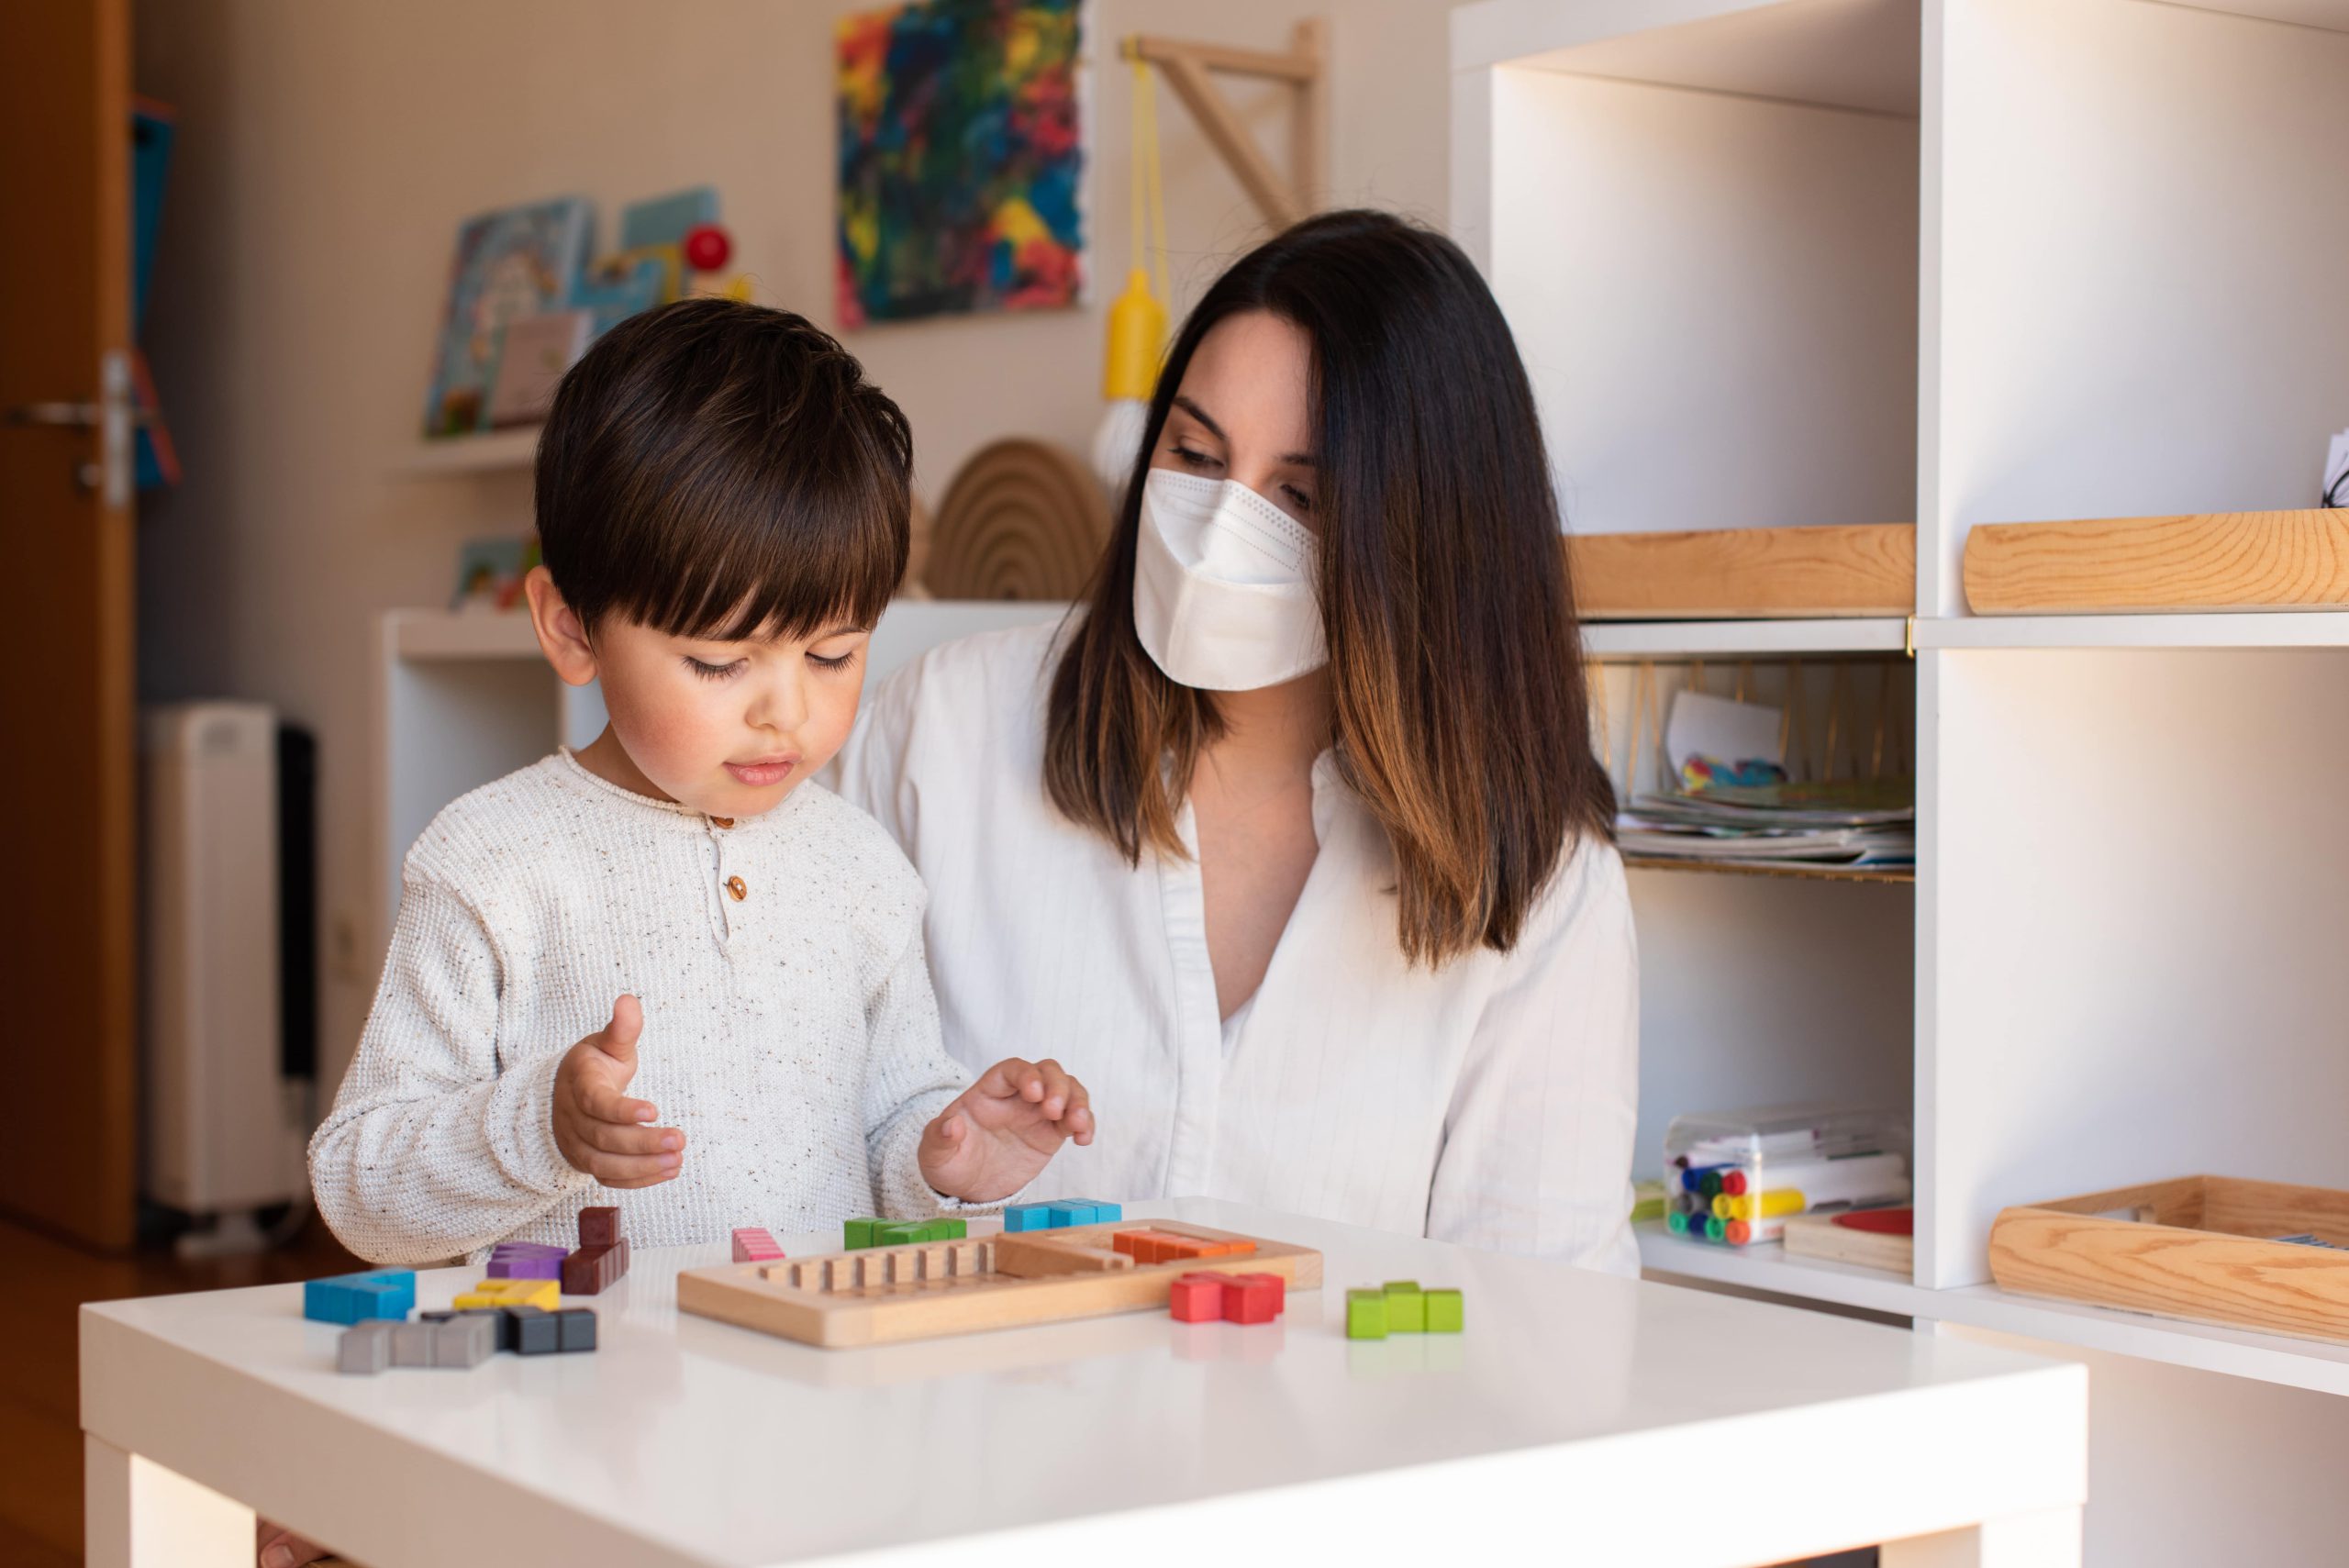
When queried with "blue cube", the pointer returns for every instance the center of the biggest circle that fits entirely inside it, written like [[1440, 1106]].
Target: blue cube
[[357, 1298], [1085, 1211], [1026, 1216]]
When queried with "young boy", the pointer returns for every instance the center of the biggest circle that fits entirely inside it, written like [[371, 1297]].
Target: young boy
[[675, 918]]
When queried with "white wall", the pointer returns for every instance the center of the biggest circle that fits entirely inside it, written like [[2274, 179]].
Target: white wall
[[327, 154]]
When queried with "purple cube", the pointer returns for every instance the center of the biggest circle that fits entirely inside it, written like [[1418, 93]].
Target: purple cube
[[525, 1265], [531, 1249]]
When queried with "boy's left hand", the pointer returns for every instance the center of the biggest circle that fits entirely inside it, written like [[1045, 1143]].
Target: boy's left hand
[[993, 1140]]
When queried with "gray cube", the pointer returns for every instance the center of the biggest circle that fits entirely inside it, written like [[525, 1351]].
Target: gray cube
[[466, 1339], [412, 1343], [366, 1346]]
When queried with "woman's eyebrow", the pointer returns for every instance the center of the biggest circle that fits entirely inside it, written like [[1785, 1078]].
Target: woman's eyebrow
[[1196, 412]]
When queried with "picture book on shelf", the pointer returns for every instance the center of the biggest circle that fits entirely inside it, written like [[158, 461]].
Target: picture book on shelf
[[516, 262]]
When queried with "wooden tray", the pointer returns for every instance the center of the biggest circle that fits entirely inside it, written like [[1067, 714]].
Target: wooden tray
[[2204, 1250], [1826, 1236], [1746, 574], [2200, 560], [924, 1291]]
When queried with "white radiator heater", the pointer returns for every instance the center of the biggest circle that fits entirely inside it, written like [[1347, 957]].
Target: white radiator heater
[[223, 1127]]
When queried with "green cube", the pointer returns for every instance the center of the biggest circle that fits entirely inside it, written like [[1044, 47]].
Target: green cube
[[950, 1230], [899, 1233], [1407, 1307], [1366, 1315], [1443, 1312], [857, 1234]]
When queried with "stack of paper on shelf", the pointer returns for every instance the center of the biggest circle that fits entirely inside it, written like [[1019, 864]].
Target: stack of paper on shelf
[[1868, 823]]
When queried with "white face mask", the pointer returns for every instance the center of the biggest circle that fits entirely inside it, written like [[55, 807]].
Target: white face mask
[[1224, 585]]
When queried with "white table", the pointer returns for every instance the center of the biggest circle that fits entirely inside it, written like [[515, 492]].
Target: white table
[[1580, 1418]]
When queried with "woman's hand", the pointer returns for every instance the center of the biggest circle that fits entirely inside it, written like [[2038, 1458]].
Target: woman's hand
[[993, 1140], [598, 1129]]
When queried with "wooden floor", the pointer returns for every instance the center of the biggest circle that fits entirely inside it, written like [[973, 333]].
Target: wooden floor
[[43, 1281]]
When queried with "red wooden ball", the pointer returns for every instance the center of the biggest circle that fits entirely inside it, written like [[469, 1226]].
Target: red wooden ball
[[707, 247]]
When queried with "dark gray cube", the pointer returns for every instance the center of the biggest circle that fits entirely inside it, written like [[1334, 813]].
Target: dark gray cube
[[536, 1333], [578, 1328]]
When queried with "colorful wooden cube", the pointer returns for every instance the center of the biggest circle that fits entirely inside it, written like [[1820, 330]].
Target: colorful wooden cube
[[534, 1330], [857, 1234], [599, 1227], [366, 1346], [463, 1340], [1253, 1298], [538, 1293], [1197, 1298], [526, 1265], [412, 1343], [1407, 1307], [898, 1233], [1444, 1312], [593, 1270], [574, 1329], [754, 1245], [1022, 1216], [1366, 1315], [355, 1299]]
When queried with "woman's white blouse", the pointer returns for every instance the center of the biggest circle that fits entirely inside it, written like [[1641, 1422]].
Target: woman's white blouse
[[1490, 1102]]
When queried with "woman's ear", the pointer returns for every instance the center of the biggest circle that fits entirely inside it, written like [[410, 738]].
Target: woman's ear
[[562, 637]]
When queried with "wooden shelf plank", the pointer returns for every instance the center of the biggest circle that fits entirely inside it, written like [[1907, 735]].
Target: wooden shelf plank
[[474, 454], [1746, 574], [2192, 562], [2245, 628]]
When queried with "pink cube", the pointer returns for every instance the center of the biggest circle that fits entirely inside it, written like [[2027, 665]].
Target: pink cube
[[753, 1245]]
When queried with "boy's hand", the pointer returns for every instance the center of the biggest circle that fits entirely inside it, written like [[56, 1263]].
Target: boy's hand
[[993, 1140], [599, 1130]]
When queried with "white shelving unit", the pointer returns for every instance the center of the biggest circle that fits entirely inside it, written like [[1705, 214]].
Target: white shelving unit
[[488, 453], [1776, 263]]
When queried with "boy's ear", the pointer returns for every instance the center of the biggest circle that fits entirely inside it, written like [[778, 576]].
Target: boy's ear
[[562, 637]]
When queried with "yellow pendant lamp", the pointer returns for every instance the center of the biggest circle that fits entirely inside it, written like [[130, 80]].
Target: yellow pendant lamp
[[1137, 315]]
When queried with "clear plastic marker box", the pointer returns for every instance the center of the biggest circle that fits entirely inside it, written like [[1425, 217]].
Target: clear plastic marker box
[[1736, 1177]]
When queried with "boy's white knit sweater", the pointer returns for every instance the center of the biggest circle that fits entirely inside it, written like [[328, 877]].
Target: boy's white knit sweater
[[790, 1032]]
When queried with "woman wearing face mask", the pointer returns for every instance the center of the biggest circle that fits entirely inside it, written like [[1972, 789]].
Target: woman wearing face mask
[[1291, 842]]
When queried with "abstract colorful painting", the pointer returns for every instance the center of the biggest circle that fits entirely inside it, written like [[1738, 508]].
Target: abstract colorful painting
[[959, 159]]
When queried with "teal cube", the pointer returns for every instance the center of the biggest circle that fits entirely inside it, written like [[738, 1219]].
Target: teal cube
[[1407, 1307], [1444, 1309], [857, 1234], [1366, 1315], [1022, 1216]]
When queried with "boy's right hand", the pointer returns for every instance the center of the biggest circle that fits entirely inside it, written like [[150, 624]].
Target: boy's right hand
[[598, 1129]]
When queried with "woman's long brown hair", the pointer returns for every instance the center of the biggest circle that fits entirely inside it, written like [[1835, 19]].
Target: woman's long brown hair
[[1463, 720]]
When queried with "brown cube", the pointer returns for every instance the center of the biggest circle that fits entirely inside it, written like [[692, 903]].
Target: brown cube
[[590, 1269], [599, 1227]]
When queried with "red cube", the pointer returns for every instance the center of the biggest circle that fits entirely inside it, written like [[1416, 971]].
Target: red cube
[[1197, 1298], [1253, 1298]]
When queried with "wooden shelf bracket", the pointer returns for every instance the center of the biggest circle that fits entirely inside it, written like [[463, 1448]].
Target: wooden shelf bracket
[[1305, 69]]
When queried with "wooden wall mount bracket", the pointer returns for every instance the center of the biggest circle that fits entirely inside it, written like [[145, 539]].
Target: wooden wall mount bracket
[[1305, 68]]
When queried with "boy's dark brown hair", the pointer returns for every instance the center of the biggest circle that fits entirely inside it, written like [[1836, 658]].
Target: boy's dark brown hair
[[720, 469]]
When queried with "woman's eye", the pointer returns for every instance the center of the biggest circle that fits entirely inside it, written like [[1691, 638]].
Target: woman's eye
[[837, 661], [713, 672], [1196, 458], [1298, 498]]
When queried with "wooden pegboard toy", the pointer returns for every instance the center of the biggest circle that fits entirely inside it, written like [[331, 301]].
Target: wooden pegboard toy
[[928, 1290]]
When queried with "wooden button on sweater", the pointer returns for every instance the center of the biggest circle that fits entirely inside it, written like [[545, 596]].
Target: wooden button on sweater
[[738, 887]]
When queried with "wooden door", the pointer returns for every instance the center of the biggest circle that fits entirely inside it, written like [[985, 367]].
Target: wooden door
[[67, 784]]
